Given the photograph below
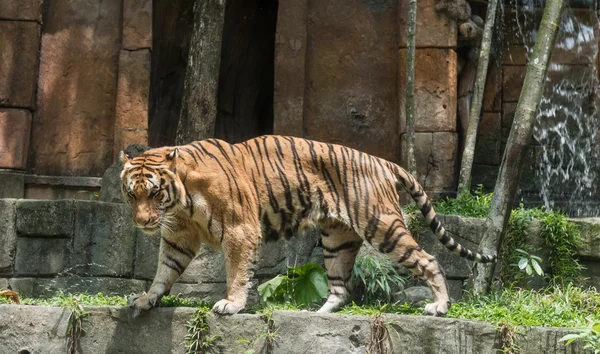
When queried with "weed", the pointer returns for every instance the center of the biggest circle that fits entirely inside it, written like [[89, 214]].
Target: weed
[[302, 286], [590, 336], [379, 278], [198, 339]]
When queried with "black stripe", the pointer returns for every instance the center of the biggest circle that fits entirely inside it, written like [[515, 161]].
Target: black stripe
[[426, 208], [408, 253], [179, 249], [435, 223], [344, 246]]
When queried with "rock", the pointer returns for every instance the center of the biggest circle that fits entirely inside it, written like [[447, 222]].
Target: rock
[[488, 151], [45, 218], [76, 93], [207, 267], [490, 126], [12, 185], [435, 90], [416, 295], [512, 82], [131, 120], [8, 235], [492, 96], [290, 61], [72, 284], [357, 110], [209, 292], [146, 255], [104, 240], [20, 42], [15, 127], [41, 256], [111, 180], [137, 24], [590, 232], [27, 10], [326, 333], [435, 29]]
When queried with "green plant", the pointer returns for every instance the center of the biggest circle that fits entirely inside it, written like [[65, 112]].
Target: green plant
[[529, 263], [378, 277], [303, 285], [475, 204], [198, 339], [266, 334], [590, 336], [75, 321], [508, 338]]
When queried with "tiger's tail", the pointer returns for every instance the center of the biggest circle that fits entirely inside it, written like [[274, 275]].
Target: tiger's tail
[[418, 195]]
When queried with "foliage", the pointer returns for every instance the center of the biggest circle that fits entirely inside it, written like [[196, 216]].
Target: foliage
[[378, 277], [474, 205], [198, 339], [303, 285], [266, 334], [529, 263], [590, 336], [508, 338]]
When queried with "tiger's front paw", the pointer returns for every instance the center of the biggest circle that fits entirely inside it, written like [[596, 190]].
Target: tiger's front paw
[[227, 307], [142, 302], [439, 308]]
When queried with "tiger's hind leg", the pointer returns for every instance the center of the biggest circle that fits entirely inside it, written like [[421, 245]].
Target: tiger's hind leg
[[393, 238], [340, 247]]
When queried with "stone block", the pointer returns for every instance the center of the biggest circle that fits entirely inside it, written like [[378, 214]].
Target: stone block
[[25, 287], [131, 121], [508, 115], [322, 331], [45, 218], [355, 110], [484, 175], [435, 90], [8, 234], [590, 232], [488, 151], [514, 55], [435, 154], [209, 292], [92, 285], [137, 24], [12, 185], [74, 129], [41, 256], [146, 256], [512, 82], [490, 126], [207, 267], [20, 43], [492, 95], [290, 58], [15, 127], [104, 240], [25, 10], [3, 283], [435, 29]]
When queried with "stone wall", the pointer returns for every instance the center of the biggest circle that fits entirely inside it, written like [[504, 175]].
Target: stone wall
[[75, 83], [33, 329], [90, 246]]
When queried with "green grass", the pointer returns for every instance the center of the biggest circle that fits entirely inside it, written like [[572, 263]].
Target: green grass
[[474, 205]]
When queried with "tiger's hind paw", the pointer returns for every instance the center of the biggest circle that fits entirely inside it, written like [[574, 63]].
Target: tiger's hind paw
[[227, 307], [439, 308]]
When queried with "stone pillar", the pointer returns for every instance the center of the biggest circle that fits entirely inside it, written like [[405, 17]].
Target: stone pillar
[[19, 43], [435, 95], [290, 58]]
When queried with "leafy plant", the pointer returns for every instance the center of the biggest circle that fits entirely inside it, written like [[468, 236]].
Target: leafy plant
[[475, 204], [378, 277], [529, 263], [590, 336], [303, 285], [198, 339], [266, 334]]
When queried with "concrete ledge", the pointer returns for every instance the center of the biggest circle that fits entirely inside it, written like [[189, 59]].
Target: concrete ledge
[[112, 330]]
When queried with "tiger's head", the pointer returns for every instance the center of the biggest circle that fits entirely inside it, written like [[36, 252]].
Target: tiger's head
[[151, 186]]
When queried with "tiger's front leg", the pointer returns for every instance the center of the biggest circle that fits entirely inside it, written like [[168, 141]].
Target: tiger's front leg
[[175, 255], [239, 246]]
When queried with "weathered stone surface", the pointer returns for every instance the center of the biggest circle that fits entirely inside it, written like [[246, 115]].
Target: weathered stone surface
[[210, 292], [355, 110], [435, 154], [41, 256], [69, 283], [8, 234], [435, 90], [488, 151], [73, 134], [508, 115], [146, 256], [485, 175], [3, 283], [514, 55], [104, 239], [15, 126], [207, 267], [131, 121], [12, 185], [490, 126], [416, 295], [36, 329], [492, 95], [45, 218], [512, 82], [111, 180], [137, 24], [327, 333], [20, 43], [290, 57], [28, 10], [590, 232], [435, 29]]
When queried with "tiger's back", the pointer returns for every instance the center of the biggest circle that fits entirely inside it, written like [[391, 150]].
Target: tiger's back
[[234, 196]]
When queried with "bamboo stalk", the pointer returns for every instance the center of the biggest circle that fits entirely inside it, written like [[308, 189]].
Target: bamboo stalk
[[411, 29]]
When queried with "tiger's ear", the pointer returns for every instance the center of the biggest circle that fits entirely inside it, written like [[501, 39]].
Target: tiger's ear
[[123, 157], [173, 154]]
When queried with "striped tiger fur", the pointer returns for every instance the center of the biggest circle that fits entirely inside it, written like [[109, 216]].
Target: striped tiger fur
[[232, 197]]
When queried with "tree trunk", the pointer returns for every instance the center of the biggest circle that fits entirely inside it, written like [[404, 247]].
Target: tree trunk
[[199, 103], [411, 29], [518, 142], [464, 180]]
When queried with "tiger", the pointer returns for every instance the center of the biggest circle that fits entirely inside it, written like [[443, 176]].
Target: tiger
[[233, 197]]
